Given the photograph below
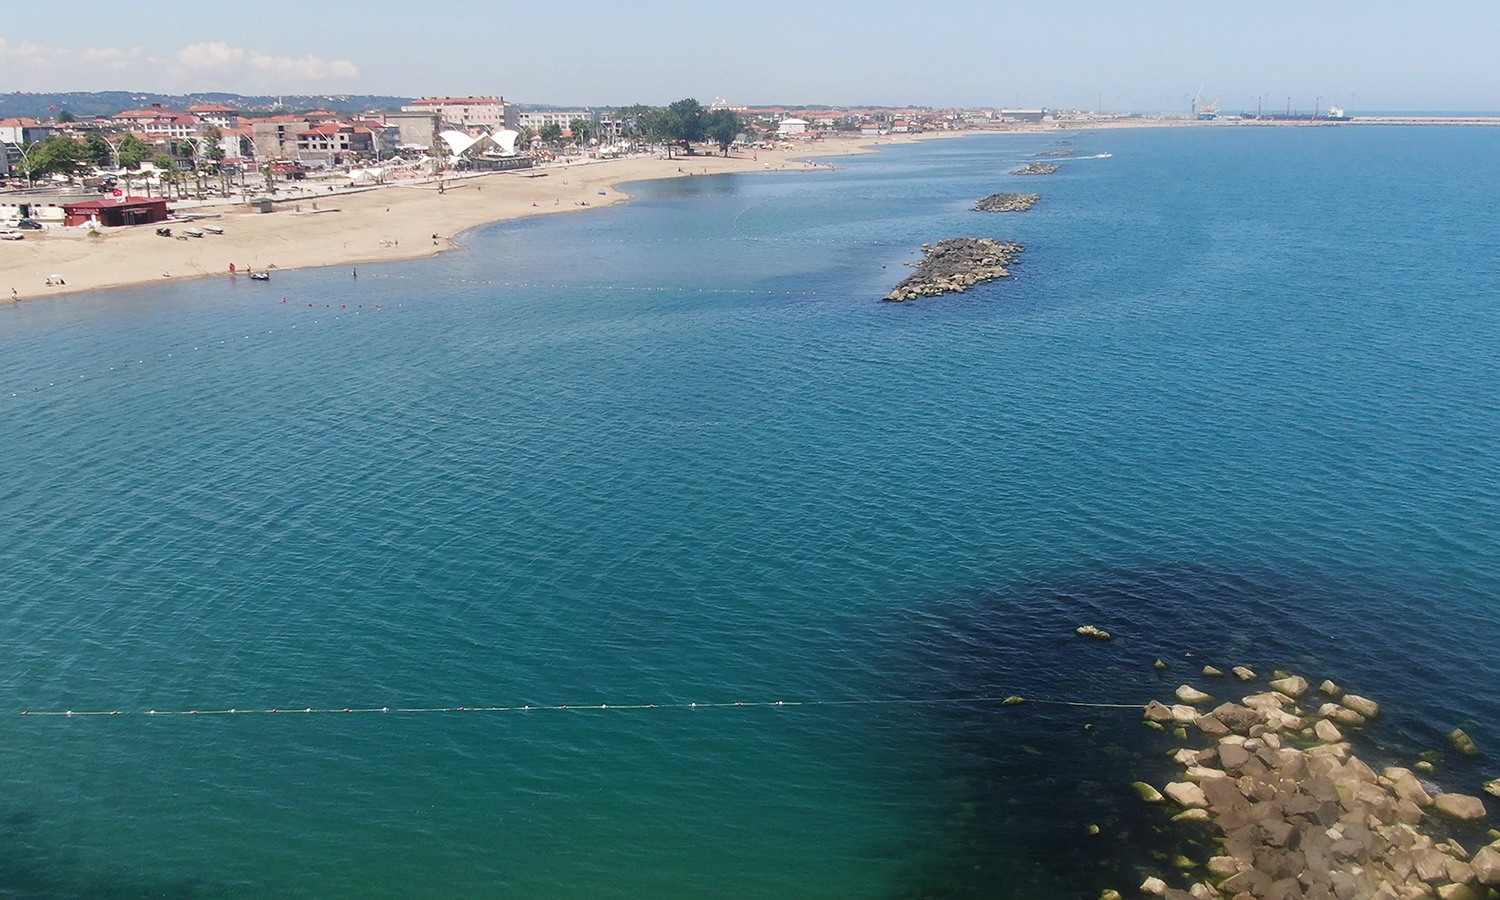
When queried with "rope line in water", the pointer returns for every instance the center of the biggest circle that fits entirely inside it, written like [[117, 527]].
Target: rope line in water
[[896, 701]]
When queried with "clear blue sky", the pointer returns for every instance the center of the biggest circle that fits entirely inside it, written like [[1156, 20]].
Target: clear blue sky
[[1366, 55]]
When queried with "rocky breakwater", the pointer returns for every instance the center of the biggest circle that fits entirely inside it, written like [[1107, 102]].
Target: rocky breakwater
[[1038, 169], [955, 265], [1056, 153], [1299, 816], [1007, 203]]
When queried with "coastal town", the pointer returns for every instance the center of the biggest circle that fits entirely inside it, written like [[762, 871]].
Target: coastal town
[[86, 199], [87, 196], [80, 191]]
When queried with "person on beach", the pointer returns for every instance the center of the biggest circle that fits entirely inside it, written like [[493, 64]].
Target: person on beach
[[231, 268], [14, 297]]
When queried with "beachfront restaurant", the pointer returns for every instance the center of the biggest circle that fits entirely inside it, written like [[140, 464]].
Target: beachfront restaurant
[[117, 211]]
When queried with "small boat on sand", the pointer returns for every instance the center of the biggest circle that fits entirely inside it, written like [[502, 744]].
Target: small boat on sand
[[192, 232], [213, 229]]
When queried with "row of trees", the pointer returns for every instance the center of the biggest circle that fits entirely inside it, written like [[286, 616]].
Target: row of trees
[[684, 123], [70, 157]]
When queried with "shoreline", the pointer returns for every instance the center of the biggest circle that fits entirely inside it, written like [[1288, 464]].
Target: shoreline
[[399, 222], [391, 223]]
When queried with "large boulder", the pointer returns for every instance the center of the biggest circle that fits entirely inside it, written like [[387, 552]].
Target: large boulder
[[1327, 732], [1183, 714], [1365, 707], [1486, 866], [1211, 726], [1293, 686], [1407, 787], [1460, 806], [1185, 793], [1189, 694], [1492, 787], [1239, 719], [1232, 756], [1156, 711]]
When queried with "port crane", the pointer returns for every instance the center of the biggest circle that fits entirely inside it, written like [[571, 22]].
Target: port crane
[[1206, 109]]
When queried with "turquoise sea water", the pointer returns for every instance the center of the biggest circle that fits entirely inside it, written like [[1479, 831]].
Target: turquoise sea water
[[1237, 405]]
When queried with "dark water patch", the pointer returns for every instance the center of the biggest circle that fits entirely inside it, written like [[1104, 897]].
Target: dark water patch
[[36, 866], [1037, 798]]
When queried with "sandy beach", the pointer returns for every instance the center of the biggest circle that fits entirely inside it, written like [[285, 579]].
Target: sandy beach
[[377, 225]]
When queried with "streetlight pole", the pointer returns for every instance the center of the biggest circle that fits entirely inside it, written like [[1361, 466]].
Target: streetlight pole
[[25, 161]]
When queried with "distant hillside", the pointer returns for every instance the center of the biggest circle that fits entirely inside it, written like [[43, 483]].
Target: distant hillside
[[103, 103]]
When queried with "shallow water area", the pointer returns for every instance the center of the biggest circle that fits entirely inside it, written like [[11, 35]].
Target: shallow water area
[[1235, 405]]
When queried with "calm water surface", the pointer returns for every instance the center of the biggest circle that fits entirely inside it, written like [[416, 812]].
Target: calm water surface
[[1238, 404]]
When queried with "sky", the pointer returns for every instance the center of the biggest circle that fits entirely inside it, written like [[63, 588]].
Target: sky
[[1123, 56]]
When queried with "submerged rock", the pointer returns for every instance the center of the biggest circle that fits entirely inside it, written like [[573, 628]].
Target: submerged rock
[[1492, 787], [954, 266], [1243, 673], [1088, 631], [1463, 743], [1007, 202], [1147, 792], [1211, 672]]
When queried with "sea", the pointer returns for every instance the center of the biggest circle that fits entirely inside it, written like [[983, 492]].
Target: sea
[[655, 556]]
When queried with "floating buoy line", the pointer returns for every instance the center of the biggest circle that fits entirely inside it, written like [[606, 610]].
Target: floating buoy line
[[1012, 700]]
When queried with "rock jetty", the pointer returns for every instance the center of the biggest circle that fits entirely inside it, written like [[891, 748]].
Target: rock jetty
[[1300, 817], [1056, 153], [955, 265], [1038, 169], [1007, 202]]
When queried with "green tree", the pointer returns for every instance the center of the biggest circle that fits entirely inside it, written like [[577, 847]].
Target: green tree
[[683, 123], [721, 126], [632, 120], [213, 144], [582, 129], [66, 116], [132, 151], [551, 134], [96, 151], [524, 137], [58, 155]]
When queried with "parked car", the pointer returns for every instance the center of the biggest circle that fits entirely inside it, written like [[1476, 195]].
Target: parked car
[[26, 224], [12, 235]]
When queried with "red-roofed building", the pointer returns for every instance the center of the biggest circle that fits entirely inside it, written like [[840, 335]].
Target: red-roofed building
[[116, 211], [23, 131], [146, 120]]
